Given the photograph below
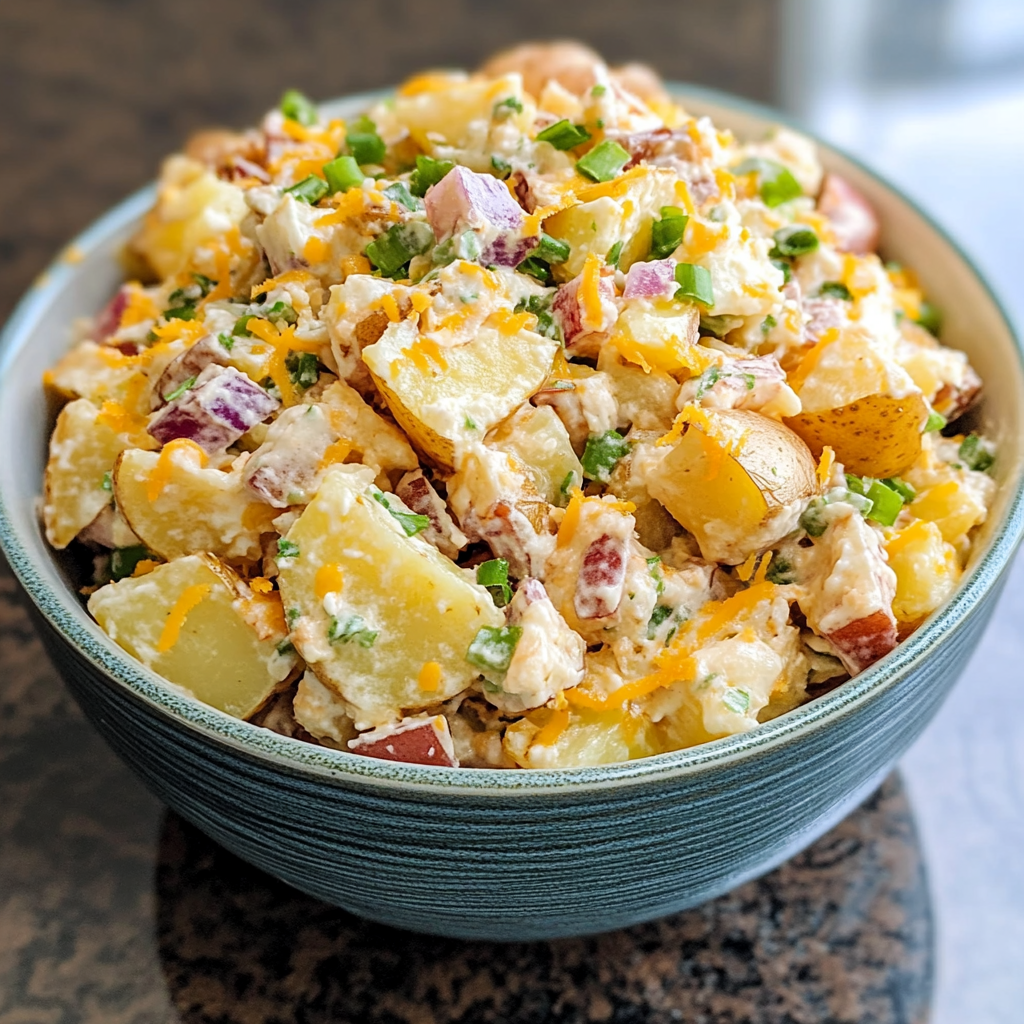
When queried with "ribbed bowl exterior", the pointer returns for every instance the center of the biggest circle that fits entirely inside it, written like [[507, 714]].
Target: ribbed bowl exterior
[[511, 866], [512, 854]]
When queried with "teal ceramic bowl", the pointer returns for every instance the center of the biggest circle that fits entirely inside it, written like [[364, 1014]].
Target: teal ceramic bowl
[[511, 854]]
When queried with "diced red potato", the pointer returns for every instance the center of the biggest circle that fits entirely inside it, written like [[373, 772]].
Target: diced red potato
[[848, 590], [109, 319], [419, 496], [412, 740], [221, 406], [673, 148], [189, 363], [854, 223], [653, 280], [578, 320], [602, 577], [757, 384], [464, 200]]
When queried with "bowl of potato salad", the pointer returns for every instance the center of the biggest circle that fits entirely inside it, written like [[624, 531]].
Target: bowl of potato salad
[[519, 504]]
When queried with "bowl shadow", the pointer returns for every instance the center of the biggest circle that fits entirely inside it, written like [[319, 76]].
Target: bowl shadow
[[841, 933]]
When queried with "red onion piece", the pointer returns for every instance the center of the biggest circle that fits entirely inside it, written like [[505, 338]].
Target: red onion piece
[[463, 199], [569, 312], [653, 280]]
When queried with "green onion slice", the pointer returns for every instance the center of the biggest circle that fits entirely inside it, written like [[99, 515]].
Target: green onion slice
[[310, 190], [974, 455], [935, 421], [296, 106], [343, 173], [123, 561], [794, 240], [777, 184], [667, 233], [564, 135], [929, 317], [551, 250], [287, 548], [428, 172], [410, 522], [393, 250], [184, 386], [603, 162], [835, 290], [694, 283], [602, 453], [351, 628], [493, 646], [494, 576]]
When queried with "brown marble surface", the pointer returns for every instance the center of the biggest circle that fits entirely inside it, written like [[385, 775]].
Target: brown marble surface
[[114, 911]]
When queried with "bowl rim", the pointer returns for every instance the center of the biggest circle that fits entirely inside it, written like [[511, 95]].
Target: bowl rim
[[65, 613]]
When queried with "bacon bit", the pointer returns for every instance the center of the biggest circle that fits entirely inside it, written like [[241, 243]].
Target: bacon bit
[[143, 566], [390, 307], [140, 307], [316, 250], [509, 323], [798, 378], [589, 293], [261, 585], [329, 580], [187, 600], [746, 570], [825, 464], [602, 569], [550, 734], [430, 677], [354, 265], [337, 452], [161, 473]]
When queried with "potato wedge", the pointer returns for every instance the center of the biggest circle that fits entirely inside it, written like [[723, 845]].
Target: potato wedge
[[864, 406], [401, 604], [194, 622], [443, 396], [622, 210], [83, 448], [538, 438], [179, 507], [737, 483]]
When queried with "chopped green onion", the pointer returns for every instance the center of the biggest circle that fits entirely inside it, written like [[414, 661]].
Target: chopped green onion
[[974, 455], [719, 326], [540, 307], [598, 90], [123, 561], [787, 270], [935, 421], [780, 571], [343, 173], [794, 240], [185, 312], [292, 616], [351, 628], [901, 487], [400, 193], [494, 576], [280, 310], [658, 616], [737, 701], [564, 135], [428, 172], [654, 569], [410, 522], [929, 317], [310, 190], [298, 107], [184, 386], [768, 324], [227, 341], [364, 143], [287, 548], [777, 184], [667, 233], [602, 453], [538, 269], [707, 380], [493, 646], [502, 166], [551, 250], [506, 108], [835, 290], [303, 369], [285, 647], [107, 483], [812, 520], [570, 480], [603, 162], [392, 250], [241, 328], [612, 259], [206, 284], [694, 283], [885, 503]]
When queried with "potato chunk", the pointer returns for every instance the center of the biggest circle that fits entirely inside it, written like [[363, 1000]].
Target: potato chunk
[[196, 624], [371, 606], [861, 404], [177, 506], [83, 449], [443, 396], [737, 481]]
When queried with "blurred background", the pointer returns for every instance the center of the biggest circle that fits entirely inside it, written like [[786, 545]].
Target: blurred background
[[929, 92]]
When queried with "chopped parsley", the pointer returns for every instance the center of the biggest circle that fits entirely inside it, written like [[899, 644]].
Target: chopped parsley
[[287, 548], [410, 522], [351, 629], [602, 453]]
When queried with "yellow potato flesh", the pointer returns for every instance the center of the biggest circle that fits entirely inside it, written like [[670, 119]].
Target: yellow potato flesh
[[457, 398], [702, 485], [197, 509], [218, 656], [422, 607], [83, 449]]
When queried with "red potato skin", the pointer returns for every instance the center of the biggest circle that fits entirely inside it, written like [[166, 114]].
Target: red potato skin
[[861, 643], [854, 222], [603, 566], [421, 742], [952, 402], [109, 320]]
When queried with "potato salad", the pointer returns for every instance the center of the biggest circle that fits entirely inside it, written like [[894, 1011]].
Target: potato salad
[[524, 420]]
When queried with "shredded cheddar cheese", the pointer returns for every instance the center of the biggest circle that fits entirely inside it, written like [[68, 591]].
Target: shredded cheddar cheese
[[261, 585], [430, 677], [825, 464], [329, 580], [551, 733], [589, 295], [189, 598], [180, 448]]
